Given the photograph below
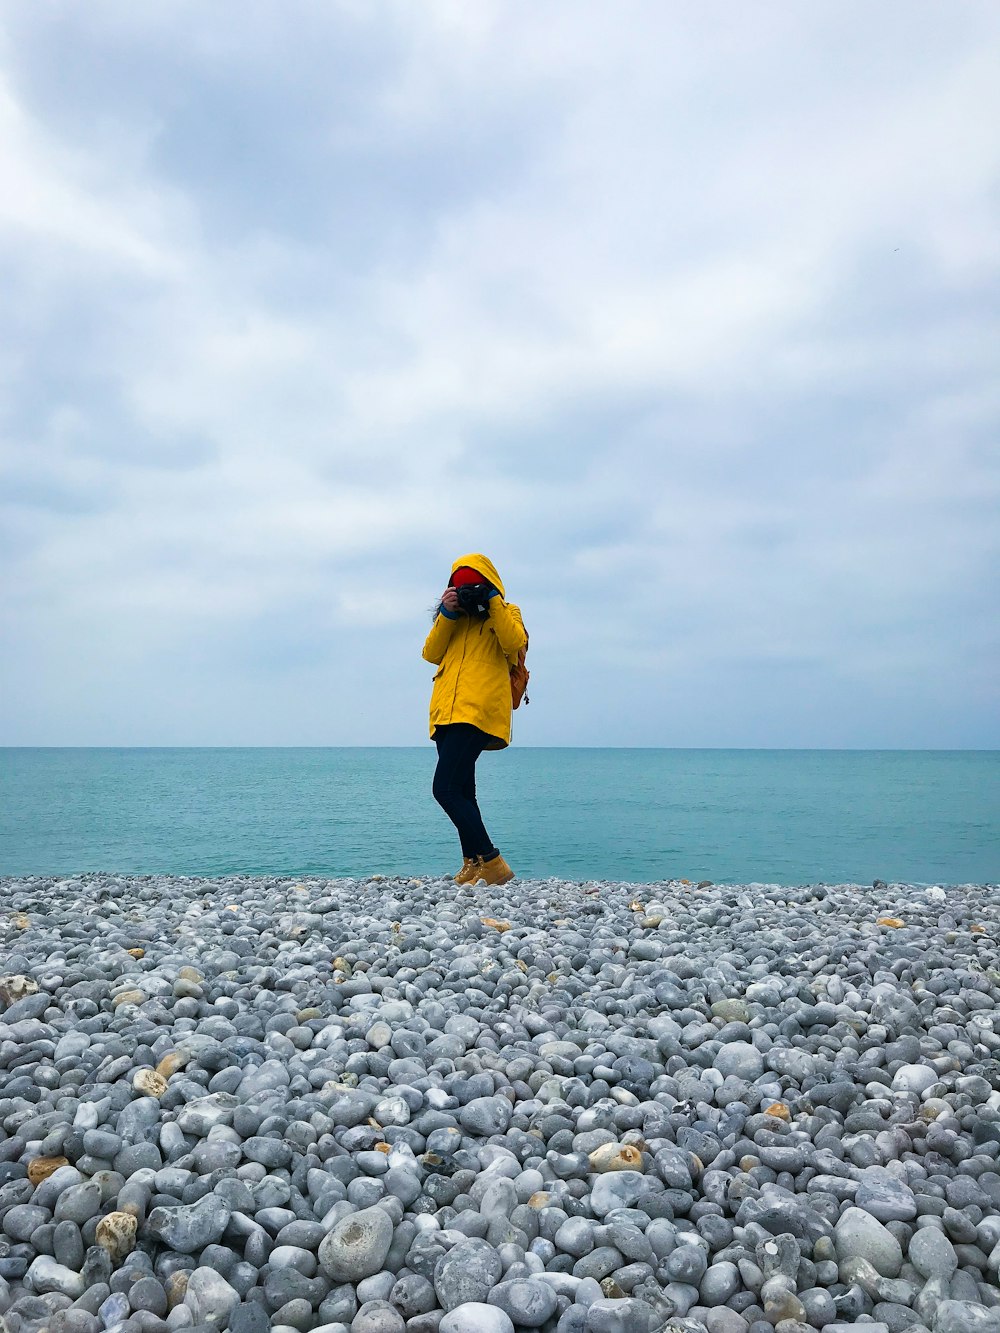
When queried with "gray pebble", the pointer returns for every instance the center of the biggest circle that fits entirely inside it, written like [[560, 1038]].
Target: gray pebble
[[467, 1274], [378, 1317], [189, 1228], [618, 1316], [357, 1245], [475, 1317], [860, 1235], [529, 1302], [932, 1253]]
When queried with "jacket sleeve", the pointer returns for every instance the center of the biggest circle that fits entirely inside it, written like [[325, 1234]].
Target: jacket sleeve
[[508, 626], [437, 641]]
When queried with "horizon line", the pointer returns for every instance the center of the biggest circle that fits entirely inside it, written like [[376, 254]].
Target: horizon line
[[794, 749]]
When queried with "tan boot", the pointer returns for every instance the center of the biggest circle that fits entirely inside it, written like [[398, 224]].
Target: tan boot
[[468, 872], [496, 871]]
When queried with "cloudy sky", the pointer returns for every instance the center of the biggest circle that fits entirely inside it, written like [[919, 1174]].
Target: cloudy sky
[[687, 314]]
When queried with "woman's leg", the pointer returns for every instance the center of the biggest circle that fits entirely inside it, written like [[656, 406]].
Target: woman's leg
[[459, 746]]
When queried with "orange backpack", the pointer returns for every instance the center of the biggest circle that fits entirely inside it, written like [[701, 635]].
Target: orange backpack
[[519, 677]]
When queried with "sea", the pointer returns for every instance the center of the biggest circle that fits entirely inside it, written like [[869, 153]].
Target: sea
[[637, 815]]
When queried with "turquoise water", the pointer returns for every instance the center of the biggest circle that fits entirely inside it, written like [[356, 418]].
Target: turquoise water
[[784, 816]]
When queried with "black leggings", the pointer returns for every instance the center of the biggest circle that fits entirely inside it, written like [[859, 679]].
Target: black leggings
[[459, 746]]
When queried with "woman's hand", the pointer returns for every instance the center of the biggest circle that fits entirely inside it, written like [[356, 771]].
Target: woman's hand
[[449, 599]]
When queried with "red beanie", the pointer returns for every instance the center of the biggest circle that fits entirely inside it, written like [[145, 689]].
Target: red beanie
[[464, 575]]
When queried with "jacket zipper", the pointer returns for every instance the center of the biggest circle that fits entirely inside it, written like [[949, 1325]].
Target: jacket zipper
[[454, 693]]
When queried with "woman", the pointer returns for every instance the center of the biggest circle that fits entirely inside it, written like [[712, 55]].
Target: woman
[[474, 651]]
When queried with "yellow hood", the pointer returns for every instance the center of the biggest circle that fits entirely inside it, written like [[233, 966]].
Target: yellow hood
[[483, 565]]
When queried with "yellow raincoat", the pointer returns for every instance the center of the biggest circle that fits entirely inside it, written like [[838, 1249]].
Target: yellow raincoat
[[474, 658]]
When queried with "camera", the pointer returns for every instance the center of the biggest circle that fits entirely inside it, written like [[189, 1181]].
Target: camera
[[474, 598]]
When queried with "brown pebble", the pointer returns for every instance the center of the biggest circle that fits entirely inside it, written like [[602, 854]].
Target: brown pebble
[[615, 1157], [15, 986], [116, 1234], [40, 1168], [171, 1062], [149, 1083], [176, 1287]]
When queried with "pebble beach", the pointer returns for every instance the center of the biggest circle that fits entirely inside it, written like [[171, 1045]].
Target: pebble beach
[[392, 1105]]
